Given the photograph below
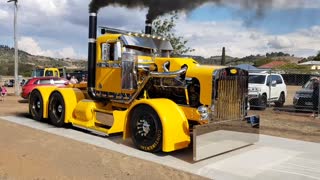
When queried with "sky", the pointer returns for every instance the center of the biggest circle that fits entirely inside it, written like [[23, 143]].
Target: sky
[[59, 28]]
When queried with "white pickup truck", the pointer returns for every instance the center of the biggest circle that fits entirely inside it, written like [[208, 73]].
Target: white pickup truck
[[266, 88]]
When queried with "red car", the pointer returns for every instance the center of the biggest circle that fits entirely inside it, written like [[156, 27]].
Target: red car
[[42, 81]]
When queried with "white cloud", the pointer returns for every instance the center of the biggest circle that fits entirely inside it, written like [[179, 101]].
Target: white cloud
[[208, 38], [3, 14], [67, 52], [31, 46], [48, 7], [280, 42]]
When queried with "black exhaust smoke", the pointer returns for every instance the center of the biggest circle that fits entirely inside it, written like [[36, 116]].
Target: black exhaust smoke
[[160, 7]]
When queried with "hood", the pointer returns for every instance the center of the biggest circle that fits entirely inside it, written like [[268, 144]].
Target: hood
[[304, 91], [251, 85]]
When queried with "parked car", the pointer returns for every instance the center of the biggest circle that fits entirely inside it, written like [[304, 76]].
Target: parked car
[[41, 81], [303, 97], [265, 88], [9, 83]]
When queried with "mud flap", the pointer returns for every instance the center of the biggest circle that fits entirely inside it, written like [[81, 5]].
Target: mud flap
[[220, 137]]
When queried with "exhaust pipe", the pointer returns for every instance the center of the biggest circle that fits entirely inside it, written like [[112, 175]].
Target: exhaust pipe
[[92, 54], [148, 29]]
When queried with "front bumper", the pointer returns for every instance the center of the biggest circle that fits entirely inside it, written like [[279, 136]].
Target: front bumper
[[303, 102], [254, 98]]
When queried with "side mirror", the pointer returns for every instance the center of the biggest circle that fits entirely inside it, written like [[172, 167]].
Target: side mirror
[[273, 83]]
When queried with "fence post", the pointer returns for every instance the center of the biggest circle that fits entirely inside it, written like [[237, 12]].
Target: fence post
[[270, 82], [318, 117]]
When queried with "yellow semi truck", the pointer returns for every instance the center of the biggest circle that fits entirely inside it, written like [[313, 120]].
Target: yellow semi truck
[[162, 103]]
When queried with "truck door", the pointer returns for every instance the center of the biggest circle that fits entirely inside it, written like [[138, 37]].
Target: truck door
[[108, 74]]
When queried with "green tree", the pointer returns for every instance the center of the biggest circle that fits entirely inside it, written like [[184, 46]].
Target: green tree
[[165, 27], [317, 58]]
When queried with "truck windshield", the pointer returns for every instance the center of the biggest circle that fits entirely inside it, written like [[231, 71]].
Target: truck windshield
[[37, 73], [257, 79]]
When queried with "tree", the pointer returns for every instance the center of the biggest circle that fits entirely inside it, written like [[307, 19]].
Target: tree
[[165, 27], [317, 58]]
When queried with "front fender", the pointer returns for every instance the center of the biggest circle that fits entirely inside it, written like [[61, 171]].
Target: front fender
[[175, 125]]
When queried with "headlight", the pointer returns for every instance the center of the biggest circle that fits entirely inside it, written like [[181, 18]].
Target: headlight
[[204, 112]]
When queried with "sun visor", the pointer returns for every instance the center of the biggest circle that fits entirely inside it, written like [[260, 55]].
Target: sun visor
[[138, 42], [163, 44]]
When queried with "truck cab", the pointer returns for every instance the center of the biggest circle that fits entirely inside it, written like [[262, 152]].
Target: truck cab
[[49, 71]]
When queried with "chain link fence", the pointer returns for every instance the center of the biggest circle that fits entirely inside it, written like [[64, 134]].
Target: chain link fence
[[285, 90]]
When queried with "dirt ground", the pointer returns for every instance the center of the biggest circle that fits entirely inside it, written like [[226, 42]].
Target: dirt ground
[[26, 153]]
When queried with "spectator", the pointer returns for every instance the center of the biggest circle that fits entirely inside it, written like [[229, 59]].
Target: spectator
[[3, 92], [68, 76], [315, 96], [73, 80]]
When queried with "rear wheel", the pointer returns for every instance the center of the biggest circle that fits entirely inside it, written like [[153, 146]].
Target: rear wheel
[[57, 109], [146, 129], [36, 105], [281, 100]]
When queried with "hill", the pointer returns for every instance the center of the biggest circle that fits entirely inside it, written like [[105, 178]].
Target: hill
[[28, 62]]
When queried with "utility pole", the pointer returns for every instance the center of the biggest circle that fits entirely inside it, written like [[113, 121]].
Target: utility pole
[[16, 79], [223, 57]]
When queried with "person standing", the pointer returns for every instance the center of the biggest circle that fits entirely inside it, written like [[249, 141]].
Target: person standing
[[3, 92], [315, 96], [73, 80]]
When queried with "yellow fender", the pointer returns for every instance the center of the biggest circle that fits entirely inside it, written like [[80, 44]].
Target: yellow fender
[[45, 92], [71, 98], [175, 125]]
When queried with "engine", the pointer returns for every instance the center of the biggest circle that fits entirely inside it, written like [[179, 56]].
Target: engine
[[180, 90]]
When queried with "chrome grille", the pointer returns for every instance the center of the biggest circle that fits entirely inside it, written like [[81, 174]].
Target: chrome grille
[[230, 95]]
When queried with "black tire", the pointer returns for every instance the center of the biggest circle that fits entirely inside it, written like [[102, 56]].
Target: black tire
[[57, 109], [263, 102], [36, 105], [281, 101], [146, 129]]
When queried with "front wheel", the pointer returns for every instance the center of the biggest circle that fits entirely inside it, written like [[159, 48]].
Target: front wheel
[[57, 109], [281, 100], [263, 102], [146, 129], [36, 105]]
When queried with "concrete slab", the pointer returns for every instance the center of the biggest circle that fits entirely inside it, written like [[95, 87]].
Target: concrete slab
[[270, 158]]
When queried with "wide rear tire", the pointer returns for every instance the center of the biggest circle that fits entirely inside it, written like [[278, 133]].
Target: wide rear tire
[[57, 109], [146, 129], [36, 105]]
